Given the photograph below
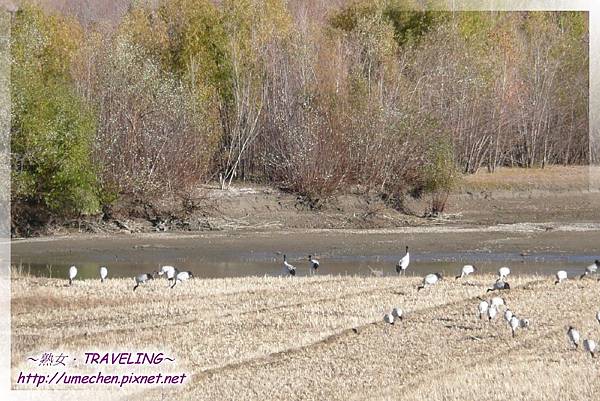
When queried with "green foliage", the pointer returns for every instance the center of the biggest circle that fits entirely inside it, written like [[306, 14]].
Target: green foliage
[[573, 22], [198, 45], [347, 19], [188, 38], [440, 170], [473, 24], [440, 173], [408, 22], [51, 126]]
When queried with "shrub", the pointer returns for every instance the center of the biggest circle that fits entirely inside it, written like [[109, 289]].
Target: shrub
[[52, 128], [154, 136], [440, 174]]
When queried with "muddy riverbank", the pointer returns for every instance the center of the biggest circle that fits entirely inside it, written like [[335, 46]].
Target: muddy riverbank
[[509, 196], [528, 248]]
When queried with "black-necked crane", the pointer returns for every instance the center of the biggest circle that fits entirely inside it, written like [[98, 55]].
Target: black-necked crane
[[591, 269], [314, 264], [514, 324], [497, 302], [397, 313], [388, 318], [508, 315], [492, 312], [499, 285], [169, 271], [141, 279], [403, 263]]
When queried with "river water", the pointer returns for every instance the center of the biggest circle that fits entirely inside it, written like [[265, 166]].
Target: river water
[[217, 255]]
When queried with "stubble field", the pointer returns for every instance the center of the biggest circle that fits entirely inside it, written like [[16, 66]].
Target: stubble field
[[323, 337]]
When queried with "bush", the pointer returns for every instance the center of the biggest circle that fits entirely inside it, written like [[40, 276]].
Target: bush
[[440, 174], [154, 136], [52, 128]]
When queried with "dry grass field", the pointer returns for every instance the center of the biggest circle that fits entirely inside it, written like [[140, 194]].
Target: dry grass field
[[292, 338], [551, 178]]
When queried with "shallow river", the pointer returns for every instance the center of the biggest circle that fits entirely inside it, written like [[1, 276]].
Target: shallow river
[[213, 255]]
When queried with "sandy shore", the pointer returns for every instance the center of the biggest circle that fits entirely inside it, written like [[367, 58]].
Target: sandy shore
[[293, 338]]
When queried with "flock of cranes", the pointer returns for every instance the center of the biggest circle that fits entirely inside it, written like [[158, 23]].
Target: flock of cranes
[[291, 270], [490, 309], [172, 274], [487, 309], [589, 345]]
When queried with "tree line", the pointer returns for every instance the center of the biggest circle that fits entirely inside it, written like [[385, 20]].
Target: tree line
[[372, 96]]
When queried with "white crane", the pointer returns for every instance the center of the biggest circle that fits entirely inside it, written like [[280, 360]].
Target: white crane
[[561, 275], [181, 276], [483, 308], [514, 324], [291, 270], [574, 336], [503, 273], [430, 279], [72, 274], [590, 346], [466, 270], [103, 273]]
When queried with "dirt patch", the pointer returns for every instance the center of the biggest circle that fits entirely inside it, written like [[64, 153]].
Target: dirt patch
[[557, 194]]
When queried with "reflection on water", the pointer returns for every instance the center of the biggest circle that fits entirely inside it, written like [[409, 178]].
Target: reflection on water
[[259, 264]]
